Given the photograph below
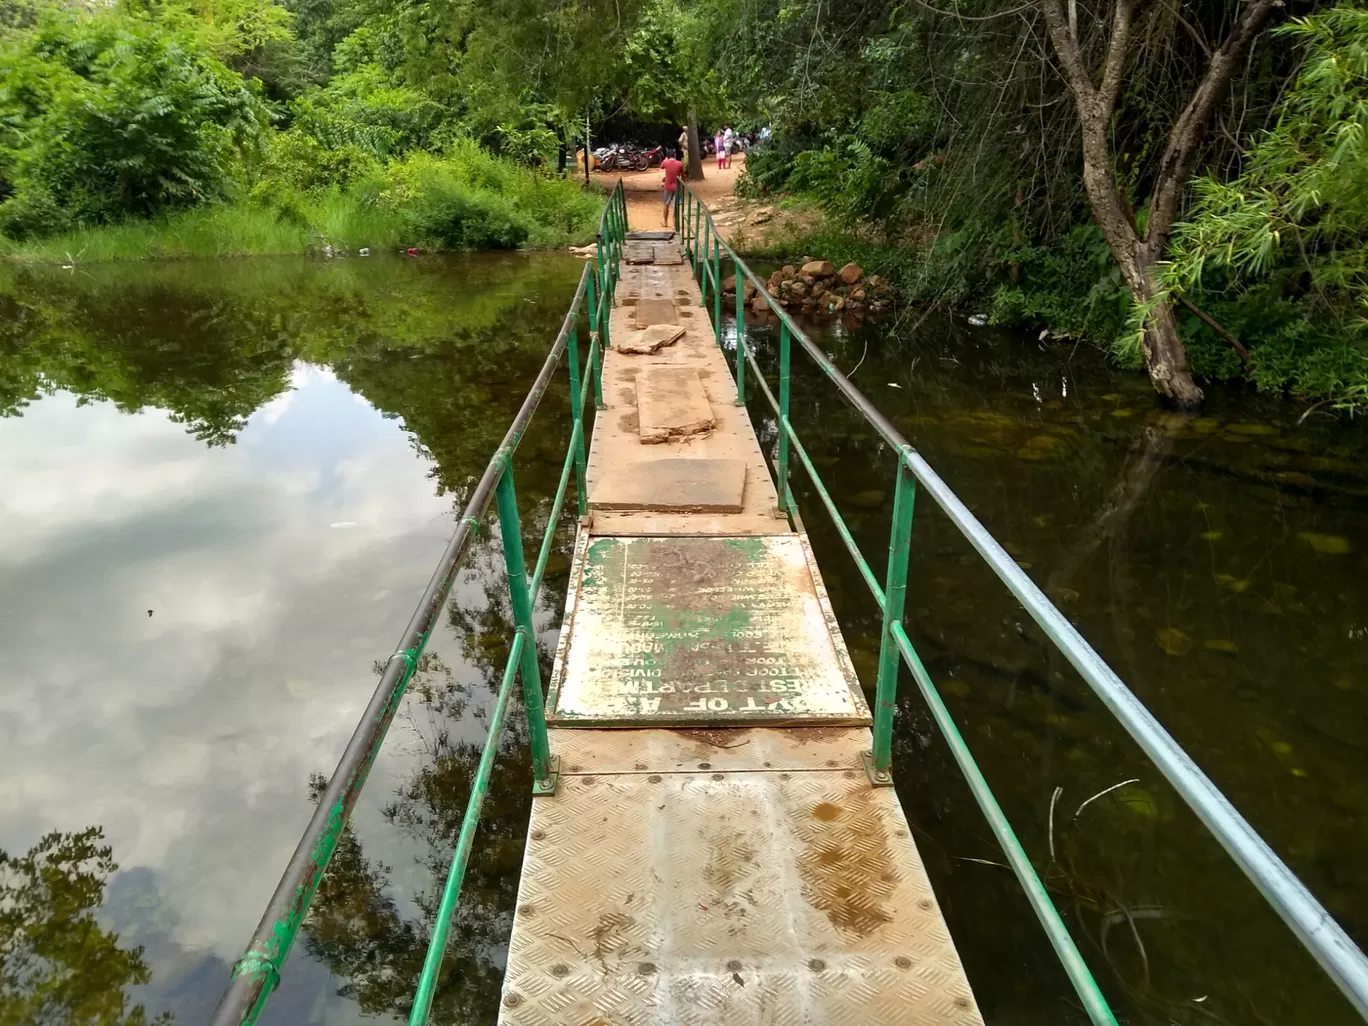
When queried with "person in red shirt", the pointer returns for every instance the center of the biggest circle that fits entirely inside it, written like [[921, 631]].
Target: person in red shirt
[[673, 168]]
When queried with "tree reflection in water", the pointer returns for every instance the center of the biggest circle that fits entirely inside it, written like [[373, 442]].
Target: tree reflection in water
[[57, 963], [356, 926]]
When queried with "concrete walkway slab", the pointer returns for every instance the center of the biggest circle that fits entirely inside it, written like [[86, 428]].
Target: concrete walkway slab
[[700, 630], [671, 405], [673, 485], [651, 311], [650, 340]]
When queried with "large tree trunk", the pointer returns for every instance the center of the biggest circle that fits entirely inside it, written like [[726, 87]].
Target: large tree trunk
[[694, 172], [1137, 255]]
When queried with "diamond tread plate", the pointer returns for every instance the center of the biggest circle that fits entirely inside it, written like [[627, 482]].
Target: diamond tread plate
[[701, 630], [742, 898], [716, 749]]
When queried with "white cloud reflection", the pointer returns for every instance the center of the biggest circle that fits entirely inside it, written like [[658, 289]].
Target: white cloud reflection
[[189, 734]]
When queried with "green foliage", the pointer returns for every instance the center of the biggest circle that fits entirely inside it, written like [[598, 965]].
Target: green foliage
[[106, 116], [57, 964], [364, 109], [1046, 287], [1283, 246]]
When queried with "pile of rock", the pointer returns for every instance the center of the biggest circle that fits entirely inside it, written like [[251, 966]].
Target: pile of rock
[[816, 286]]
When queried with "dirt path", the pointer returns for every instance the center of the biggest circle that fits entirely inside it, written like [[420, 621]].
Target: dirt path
[[749, 225], [644, 198]]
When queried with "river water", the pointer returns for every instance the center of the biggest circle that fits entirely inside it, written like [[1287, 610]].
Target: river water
[[226, 484]]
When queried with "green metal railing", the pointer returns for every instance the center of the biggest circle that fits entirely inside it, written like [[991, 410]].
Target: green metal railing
[[1312, 925], [257, 973]]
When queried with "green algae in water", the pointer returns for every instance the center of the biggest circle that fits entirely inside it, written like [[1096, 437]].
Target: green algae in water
[[1221, 645], [1136, 800], [1041, 447], [1231, 583], [1211, 535], [1326, 544], [871, 499], [1173, 641]]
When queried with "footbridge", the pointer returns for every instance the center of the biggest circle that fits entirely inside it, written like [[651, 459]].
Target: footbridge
[[715, 839]]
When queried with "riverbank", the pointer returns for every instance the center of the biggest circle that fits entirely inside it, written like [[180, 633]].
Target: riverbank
[[467, 201]]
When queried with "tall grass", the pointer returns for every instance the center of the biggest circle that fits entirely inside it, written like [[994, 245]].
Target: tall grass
[[466, 198]]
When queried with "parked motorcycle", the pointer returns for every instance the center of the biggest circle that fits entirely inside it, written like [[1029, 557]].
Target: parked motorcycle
[[627, 157]]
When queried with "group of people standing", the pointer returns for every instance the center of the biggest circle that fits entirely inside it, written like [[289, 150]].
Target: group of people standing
[[673, 167]]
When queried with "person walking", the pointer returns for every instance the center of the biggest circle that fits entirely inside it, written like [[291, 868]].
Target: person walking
[[672, 167], [728, 137], [684, 145], [720, 146]]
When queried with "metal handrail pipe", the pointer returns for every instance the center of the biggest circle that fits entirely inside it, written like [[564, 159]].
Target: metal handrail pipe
[[256, 974]]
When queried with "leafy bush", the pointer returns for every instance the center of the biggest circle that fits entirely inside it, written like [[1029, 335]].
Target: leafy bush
[[1074, 286], [297, 160], [105, 116], [364, 110], [453, 218], [1281, 251]]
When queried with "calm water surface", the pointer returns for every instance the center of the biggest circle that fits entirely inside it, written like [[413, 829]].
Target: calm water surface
[[225, 485]]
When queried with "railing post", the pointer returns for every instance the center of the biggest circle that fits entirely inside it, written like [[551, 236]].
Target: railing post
[[704, 256], [785, 357], [545, 767], [879, 760], [739, 272], [577, 412], [717, 285], [689, 232], [596, 368]]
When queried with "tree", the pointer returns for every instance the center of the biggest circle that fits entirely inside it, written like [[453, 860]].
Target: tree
[[1287, 239], [105, 115], [1140, 243]]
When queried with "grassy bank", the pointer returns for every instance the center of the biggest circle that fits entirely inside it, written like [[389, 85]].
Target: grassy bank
[[464, 199]]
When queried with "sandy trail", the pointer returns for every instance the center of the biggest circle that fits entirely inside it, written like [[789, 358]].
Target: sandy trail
[[644, 203]]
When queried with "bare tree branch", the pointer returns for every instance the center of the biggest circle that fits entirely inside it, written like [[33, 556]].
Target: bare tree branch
[[1190, 129], [1118, 48]]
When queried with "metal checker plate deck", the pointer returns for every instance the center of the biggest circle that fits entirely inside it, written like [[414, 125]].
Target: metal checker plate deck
[[700, 630], [741, 898]]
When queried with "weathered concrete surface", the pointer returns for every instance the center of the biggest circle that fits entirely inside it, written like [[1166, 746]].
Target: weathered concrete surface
[[673, 485], [650, 340], [655, 311], [638, 253], [671, 405], [616, 441], [701, 630]]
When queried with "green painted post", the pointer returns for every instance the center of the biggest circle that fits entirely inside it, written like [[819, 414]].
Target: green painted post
[[577, 417], [605, 318], [591, 293], [596, 368], [705, 258], [689, 240], [544, 768], [785, 356], [693, 231], [595, 350], [879, 760], [717, 286], [738, 271]]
